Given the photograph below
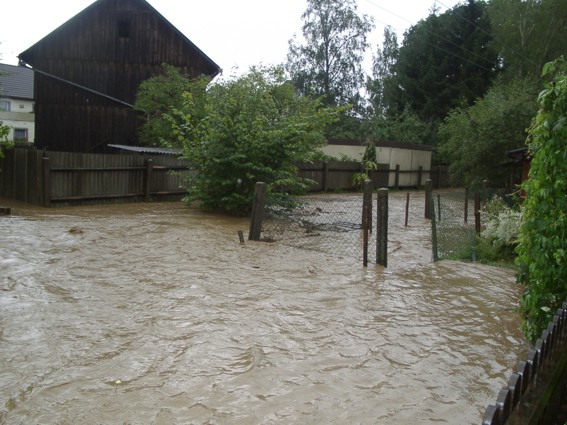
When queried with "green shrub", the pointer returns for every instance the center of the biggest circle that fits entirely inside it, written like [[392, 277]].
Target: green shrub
[[542, 248]]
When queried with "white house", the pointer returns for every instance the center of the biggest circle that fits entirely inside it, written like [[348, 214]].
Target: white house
[[17, 102]]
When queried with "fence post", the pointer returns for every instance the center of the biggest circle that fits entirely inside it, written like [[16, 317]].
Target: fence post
[[466, 205], [325, 182], [257, 212], [382, 228], [367, 201], [147, 179], [419, 175], [434, 244], [397, 178], [407, 209], [428, 195], [477, 212], [46, 182]]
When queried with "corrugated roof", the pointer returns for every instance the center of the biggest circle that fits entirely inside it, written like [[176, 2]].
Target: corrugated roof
[[16, 82], [145, 149]]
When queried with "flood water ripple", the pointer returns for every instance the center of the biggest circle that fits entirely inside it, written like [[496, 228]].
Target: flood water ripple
[[156, 314]]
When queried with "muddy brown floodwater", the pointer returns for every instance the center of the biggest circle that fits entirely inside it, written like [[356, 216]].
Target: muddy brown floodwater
[[156, 314]]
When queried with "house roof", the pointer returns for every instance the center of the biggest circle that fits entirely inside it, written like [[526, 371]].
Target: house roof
[[16, 82], [30, 54], [149, 150]]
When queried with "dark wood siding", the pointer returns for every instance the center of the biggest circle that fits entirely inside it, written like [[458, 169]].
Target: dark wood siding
[[109, 48]]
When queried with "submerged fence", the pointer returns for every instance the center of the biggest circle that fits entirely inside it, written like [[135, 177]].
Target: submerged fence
[[536, 393], [455, 221], [338, 224]]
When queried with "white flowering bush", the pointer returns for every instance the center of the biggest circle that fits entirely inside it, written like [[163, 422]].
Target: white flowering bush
[[500, 224]]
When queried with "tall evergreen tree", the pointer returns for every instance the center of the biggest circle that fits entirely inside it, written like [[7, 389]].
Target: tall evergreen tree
[[445, 60]]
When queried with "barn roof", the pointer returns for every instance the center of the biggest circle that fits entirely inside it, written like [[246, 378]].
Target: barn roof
[[16, 82], [29, 55]]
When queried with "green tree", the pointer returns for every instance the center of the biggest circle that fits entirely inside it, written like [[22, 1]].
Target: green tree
[[382, 86], [444, 60], [328, 64], [474, 140], [5, 142], [542, 249], [246, 129], [155, 97], [528, 34]]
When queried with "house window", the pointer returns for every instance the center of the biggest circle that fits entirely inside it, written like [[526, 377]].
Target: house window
[[5, 105], [123, 27], [20, 134]]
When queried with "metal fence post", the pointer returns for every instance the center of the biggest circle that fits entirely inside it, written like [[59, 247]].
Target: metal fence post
[[367, 201], [366, 218], [257, 212], [382, 228]]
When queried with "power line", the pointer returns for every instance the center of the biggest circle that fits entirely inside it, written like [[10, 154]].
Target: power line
[[440, 37]]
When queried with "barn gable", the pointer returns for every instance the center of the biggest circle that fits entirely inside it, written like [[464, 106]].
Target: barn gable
[[89, 69]]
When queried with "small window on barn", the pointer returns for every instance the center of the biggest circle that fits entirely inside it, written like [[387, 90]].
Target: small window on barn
[[123, 27], [5, 105], [20, 134]]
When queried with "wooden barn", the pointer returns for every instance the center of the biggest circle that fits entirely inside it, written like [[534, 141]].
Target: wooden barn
[[88, 70]]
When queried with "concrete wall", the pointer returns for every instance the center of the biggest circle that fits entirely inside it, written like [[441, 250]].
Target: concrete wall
[[409, 157]]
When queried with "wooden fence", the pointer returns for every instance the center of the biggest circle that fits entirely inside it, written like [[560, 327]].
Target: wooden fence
[[536, 393], [64, 178], [338, 175]]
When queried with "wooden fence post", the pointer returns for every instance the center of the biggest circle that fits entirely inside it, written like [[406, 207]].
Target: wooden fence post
[[257, 212], [382, 228], [46, 182], [407, 209], [325, 183], [428, 195], [148, 179], [419, 176], [466, 205], [477, 212], [434, 242], [397, 177]]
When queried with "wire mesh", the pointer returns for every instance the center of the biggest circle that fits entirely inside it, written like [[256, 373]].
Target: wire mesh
[[455, 225], [330, 223]]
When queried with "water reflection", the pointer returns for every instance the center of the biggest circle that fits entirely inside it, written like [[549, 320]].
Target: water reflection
[[200, 329]]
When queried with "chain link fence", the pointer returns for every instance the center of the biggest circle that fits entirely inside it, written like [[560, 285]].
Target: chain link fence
[[453, 225], [330, 223], [457, 222]]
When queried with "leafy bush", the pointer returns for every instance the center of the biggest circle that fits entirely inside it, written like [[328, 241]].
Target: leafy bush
[[243, 130], [542, 248], [5, 143]]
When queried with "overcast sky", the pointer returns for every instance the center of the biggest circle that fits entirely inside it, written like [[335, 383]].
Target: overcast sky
[[233, 33]]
